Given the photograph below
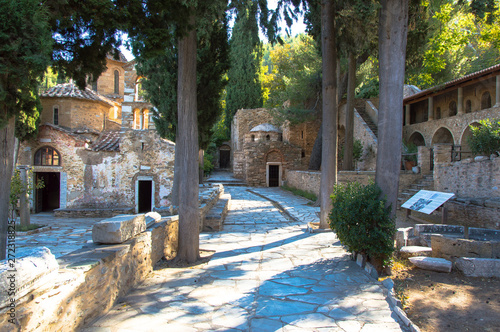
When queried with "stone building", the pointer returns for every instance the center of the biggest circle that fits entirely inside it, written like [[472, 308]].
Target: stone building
[[97, 149], [443, 114], [260, 152]]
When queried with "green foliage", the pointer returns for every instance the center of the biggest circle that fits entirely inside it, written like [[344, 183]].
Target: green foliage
[[30, 227], [411, 149], [485, 139], [357, 151], [299, 192], [17, 188], [208, 163], [368, 76], [361, 221], [244, 88], [292, 75], [25, 50], [160, 80]]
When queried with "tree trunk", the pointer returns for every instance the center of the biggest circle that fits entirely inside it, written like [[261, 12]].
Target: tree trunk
[[187, 145], [349, 115], [6, 166], [329, 88], [392, 52], [174, 195], [315, 159]]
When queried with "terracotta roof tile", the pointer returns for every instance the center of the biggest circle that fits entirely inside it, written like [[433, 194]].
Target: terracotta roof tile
[[108, 141], [70, 90]]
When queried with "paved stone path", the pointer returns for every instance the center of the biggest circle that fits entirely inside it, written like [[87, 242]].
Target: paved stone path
[[267, 274]]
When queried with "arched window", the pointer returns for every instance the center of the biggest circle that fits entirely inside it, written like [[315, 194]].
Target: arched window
[[47, 156], [485, 100], [468, 106], [453, 108], [268, 137], [55, 115], [253, 138], [117, 82]]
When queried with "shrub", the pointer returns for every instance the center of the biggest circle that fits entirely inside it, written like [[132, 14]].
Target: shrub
[[485, 139], [208, 165], [362, 222]]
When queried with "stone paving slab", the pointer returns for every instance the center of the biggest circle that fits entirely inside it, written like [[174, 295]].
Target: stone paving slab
[[267, 274]]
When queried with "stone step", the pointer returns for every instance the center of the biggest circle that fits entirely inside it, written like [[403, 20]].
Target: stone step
[[215, 217], [413, 251], [431, 263]]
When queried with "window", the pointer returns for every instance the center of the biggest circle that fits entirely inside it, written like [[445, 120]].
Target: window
[[253, 138], [47, 156], [56, 115], [453, 108], [117, 82], [280, 137], [268, 137], [485, 100]]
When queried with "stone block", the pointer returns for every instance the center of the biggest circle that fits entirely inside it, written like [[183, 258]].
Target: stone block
[[118, 229], [432, 263], [452, 248], [32, 269], [479, 267], [152, 218], [402, 236], [492, 203], [484, 234], [361, 260], [412, 251], [438, 229]]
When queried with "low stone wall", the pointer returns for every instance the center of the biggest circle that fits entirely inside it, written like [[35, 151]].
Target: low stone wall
[[92, 213], [310, 180], [90, 280]]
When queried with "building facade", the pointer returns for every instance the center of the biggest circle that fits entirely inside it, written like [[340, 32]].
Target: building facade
[[97, 149]]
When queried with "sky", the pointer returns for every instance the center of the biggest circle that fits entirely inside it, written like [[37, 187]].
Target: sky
[[297, 28]]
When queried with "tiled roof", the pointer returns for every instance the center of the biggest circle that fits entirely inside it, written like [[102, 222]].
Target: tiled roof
[[70, 90], [453, 84], [109, 141], [75, 135]]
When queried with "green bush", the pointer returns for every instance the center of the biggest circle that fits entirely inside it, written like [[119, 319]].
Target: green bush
[[361, 221], [485, 139], [208, 165], [299, 192]]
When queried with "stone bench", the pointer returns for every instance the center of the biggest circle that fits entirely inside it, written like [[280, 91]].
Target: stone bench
[[122, 228], [412, 251], [215, 217]]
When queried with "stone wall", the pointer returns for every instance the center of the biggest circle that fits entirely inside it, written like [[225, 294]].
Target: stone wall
[[107, 179], [303, 135], [310, 180], [90, 280], [469, 178], [106, 82]]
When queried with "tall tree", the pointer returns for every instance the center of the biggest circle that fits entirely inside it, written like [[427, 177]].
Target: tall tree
[[244, 88], [330, 107], [392, 51]]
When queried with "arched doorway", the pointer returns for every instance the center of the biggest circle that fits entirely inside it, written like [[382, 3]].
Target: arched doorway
[[485, 100], [417, 139], [442, 135], [464, 141], [224, 156], [47, 198]]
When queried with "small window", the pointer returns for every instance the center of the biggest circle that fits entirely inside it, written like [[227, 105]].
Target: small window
[[302, 134], [280, 137], [303, 154], [56, 115], [468, 106], [47, 156], [117, 82], [268, 137], [453, 108], [253, 138], [485, 100]]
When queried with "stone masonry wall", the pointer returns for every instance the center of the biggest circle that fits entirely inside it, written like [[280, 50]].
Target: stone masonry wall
[[469, 178], [91, 280], [310, 180], [246, 119], [303, 135]]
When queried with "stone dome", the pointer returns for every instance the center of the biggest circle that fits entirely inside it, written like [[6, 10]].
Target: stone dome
[[267, 127]]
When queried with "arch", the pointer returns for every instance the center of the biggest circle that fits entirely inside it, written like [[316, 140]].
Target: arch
[[55, 115], [468, 106], [417, 139], [464, 140], [485, 100], [117, 82], [47, 156], [442, 135], [224, 156], [136, 124], [452, 108], [268, 137], [139, 91], [274, 156]]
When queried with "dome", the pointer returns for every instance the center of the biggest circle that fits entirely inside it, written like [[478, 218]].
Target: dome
[[267, 127]]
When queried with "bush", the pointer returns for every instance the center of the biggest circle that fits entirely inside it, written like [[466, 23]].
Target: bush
[[485, 139], [208, 165], [362, 222]]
